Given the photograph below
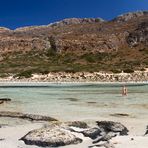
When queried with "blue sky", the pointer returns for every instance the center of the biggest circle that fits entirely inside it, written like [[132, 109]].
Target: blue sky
[[17, 13]]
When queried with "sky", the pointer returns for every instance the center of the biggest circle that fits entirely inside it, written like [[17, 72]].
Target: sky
[[19, 13]]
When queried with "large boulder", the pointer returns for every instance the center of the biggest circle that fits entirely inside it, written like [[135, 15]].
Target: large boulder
[[54, 135], [130, 16]]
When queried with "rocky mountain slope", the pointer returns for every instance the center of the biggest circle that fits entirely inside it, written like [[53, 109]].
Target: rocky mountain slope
[[77, 44]]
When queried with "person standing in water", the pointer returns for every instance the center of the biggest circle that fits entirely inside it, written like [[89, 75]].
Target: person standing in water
[[124, 91]]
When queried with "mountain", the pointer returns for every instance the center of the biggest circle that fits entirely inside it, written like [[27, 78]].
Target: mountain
[[77, 44]]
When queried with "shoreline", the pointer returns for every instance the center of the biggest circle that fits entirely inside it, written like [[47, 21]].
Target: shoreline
[[46, 84], [138, 77]]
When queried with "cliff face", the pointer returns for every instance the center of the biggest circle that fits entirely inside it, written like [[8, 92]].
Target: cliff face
[[139, 36], [80, 37]]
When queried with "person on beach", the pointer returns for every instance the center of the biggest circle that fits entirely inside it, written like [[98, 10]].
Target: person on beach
[[124, 91]]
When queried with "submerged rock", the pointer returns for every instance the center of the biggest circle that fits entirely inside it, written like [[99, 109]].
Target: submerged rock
[[120, 115], [72, 99], [53, 136], [26, 116], [3, 100], [110, 126], [91, 102]]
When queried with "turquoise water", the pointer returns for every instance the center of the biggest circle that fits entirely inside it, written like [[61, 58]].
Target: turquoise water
[[77, 101]]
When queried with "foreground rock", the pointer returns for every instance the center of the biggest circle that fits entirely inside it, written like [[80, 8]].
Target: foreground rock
[[3, 100], [58, 134], [146, 133], [53, 136], [26, 116], [115, 127], [109, 130]]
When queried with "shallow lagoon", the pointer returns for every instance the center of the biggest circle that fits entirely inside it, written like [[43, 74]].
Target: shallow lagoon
[[77, 101]]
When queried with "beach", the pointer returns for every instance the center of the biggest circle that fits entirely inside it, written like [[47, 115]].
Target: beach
[[86, 102], [11, 136]]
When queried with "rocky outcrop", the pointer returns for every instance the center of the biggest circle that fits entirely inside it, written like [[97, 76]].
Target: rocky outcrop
[[130, 16], [87, 44], [75, 21], [139, 36], [61, 134], [65, 22], [4, 29], [22, 44], [51, 136], [115, 127], [109, 130], [26, 116]]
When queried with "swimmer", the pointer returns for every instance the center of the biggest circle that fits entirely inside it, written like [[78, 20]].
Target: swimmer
[[124, 91]]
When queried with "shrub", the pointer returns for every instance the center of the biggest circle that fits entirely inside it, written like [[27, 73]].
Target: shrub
[[128, 70], [24, 74], [4, 75], [116, 70], [45, 72], [142, 69], [88, 57], [50, 52]]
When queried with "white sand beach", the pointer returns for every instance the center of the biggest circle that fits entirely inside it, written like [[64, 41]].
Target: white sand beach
[[10, 135], [10, 138]]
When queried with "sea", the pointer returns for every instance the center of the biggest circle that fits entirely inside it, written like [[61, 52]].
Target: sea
[[76, 101]]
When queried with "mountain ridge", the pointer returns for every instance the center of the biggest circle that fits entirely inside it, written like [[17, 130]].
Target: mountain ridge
[[122, 16]]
